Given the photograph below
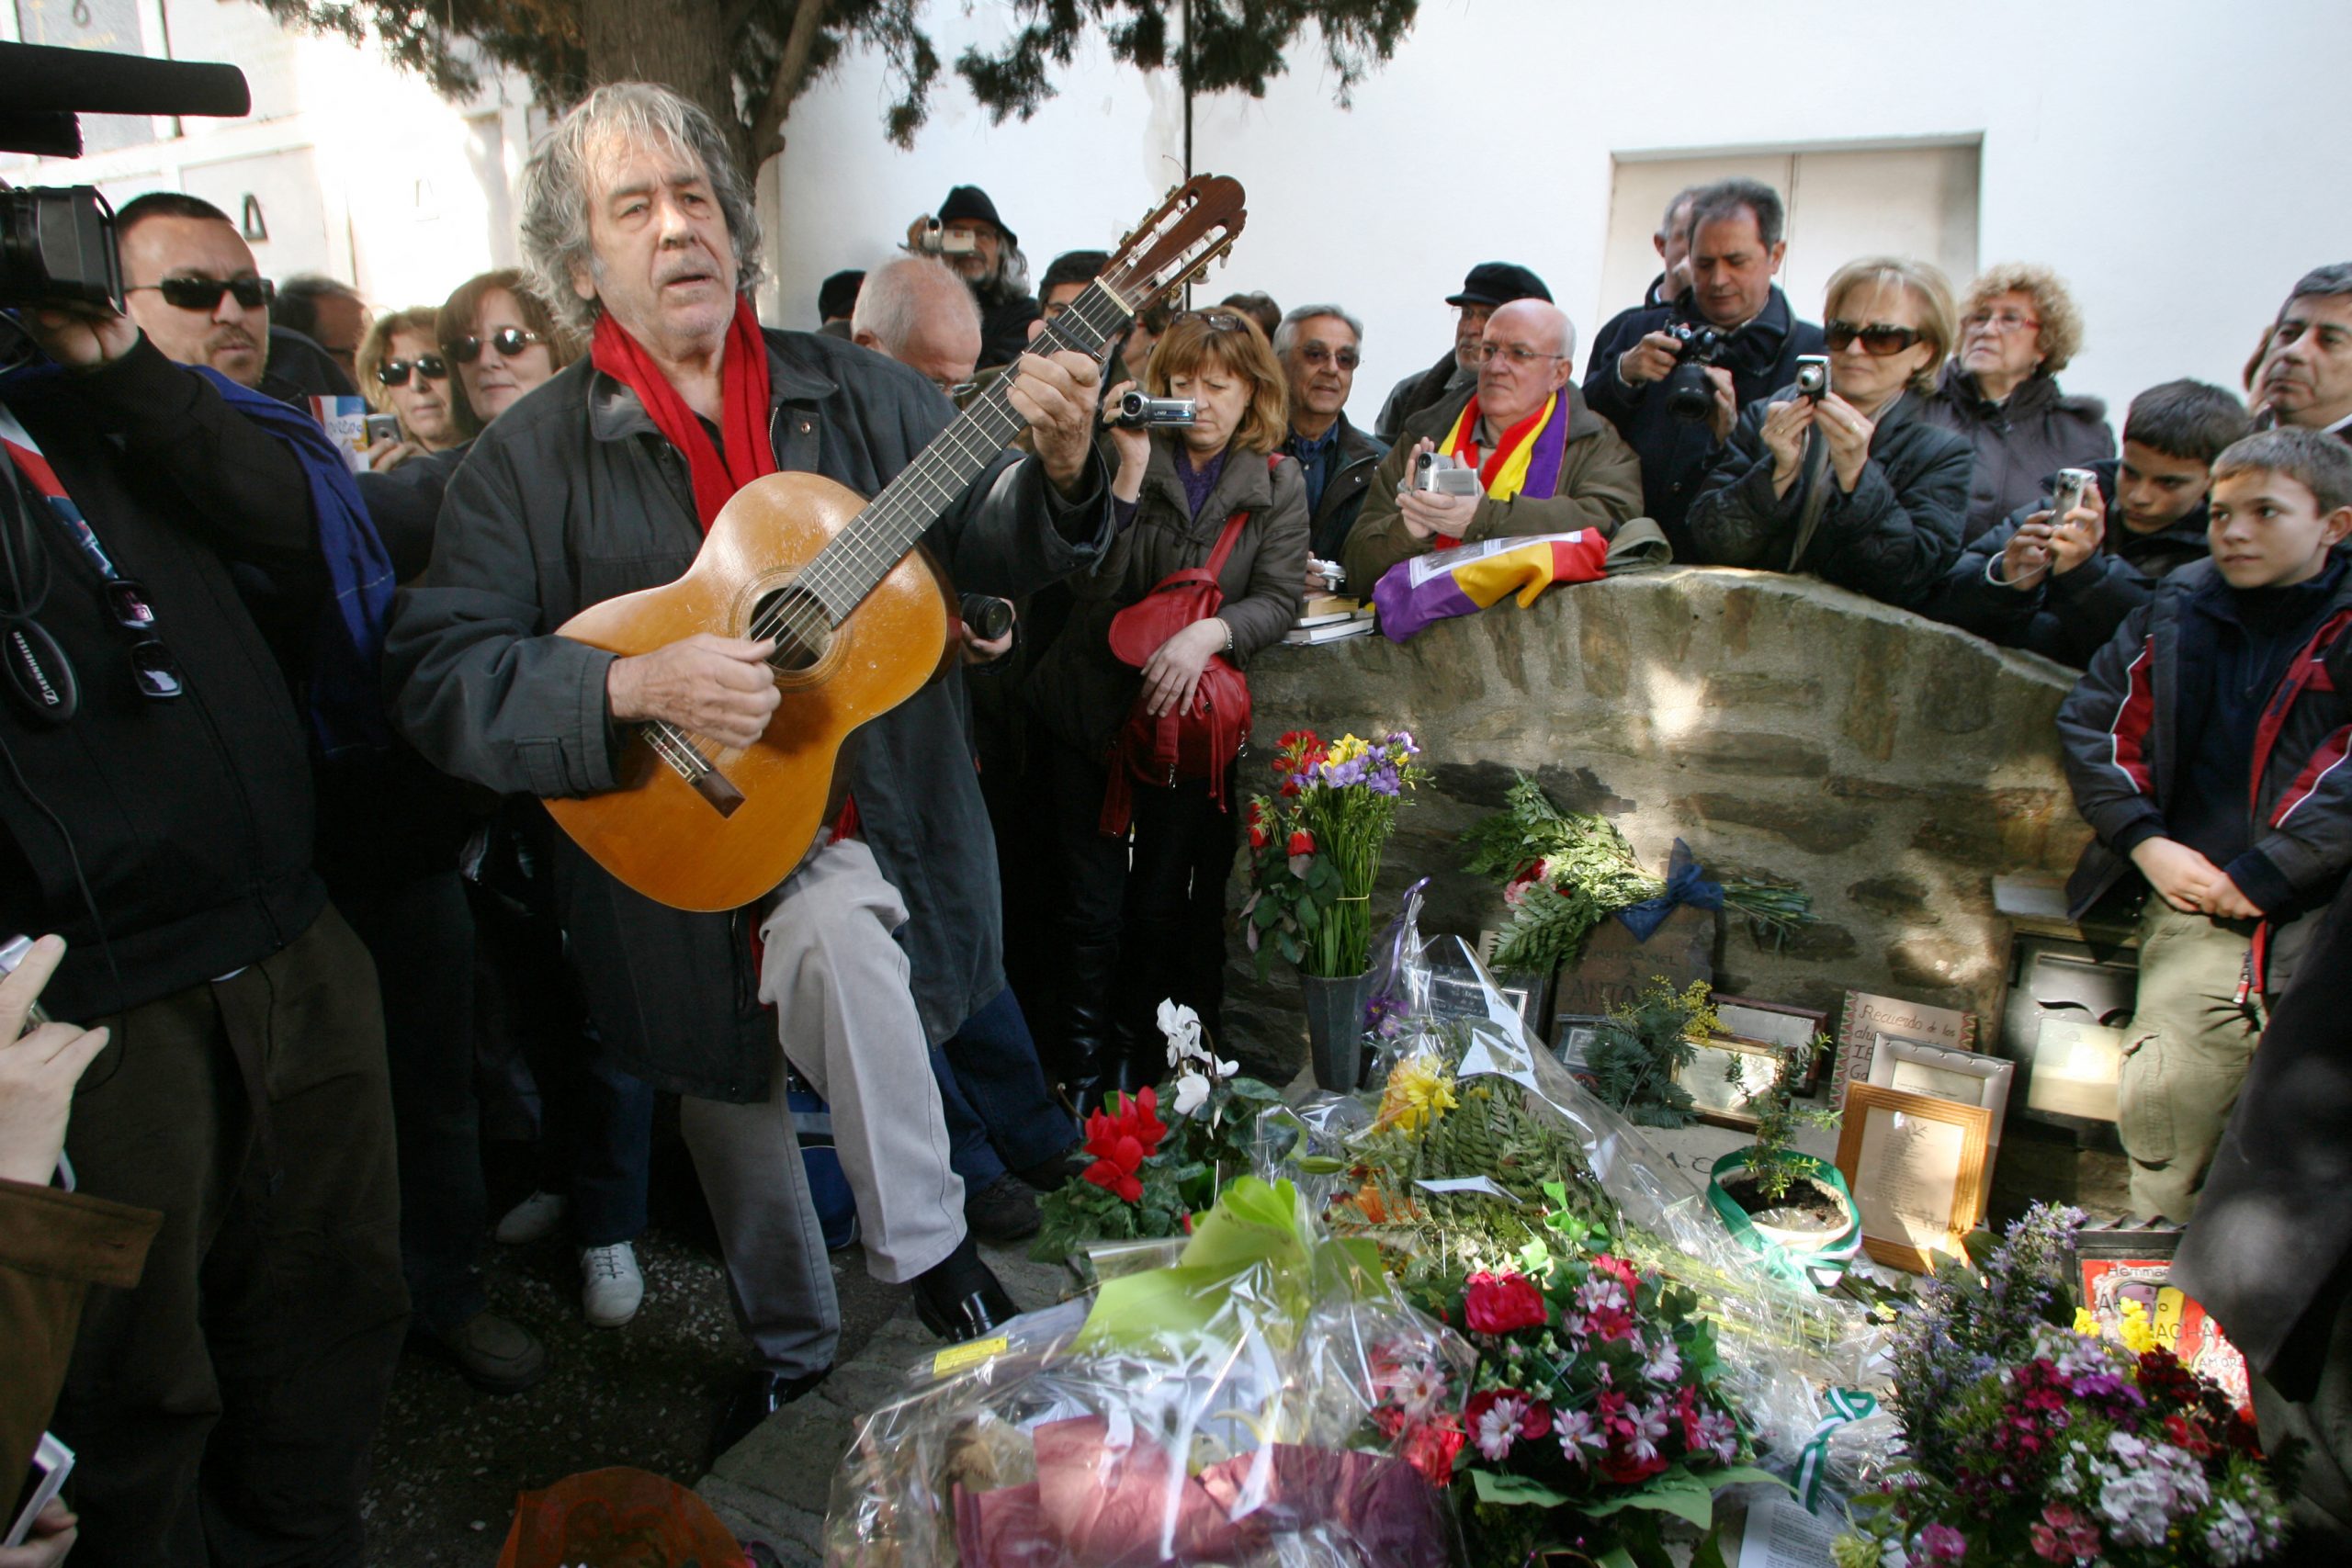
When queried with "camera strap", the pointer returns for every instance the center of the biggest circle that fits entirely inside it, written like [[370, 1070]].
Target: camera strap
[[1817, 494], [24, 452]]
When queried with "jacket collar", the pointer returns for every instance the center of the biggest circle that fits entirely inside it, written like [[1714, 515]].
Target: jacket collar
[[1246, 484], [1436, 418], [2037, 394], [1755, 341], [615, 413]]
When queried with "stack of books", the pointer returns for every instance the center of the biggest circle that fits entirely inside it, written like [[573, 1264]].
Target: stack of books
[[1328, 617]]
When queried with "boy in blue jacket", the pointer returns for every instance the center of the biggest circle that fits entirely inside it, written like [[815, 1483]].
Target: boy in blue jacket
[[2206, 747]]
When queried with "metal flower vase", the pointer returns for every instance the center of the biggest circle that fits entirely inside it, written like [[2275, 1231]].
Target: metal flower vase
[[1335, 1029]]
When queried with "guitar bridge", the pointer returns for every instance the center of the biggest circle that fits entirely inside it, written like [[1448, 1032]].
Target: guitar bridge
[[675, 747]]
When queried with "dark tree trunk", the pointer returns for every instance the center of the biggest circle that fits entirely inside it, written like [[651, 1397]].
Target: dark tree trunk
[[675, 42]]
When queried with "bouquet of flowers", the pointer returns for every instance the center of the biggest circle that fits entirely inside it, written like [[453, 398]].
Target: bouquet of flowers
[[1314, 847], [1567, 870], [2033, 1441], [1595, 1408], [1149, 1175]]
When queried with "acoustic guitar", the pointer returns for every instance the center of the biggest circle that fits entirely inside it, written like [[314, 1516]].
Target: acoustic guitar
[[862, 617]]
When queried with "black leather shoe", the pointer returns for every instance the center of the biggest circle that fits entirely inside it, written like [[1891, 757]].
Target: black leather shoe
[[1003, 1212], [960, 1298], [1053, 1175], [761, 1393]]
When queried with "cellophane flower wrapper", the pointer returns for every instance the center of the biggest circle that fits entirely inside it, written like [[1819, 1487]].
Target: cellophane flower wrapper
[[1436, 1005], [1270, 1400]]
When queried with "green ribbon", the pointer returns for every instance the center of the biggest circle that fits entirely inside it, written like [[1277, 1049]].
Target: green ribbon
[[1813, 1463]]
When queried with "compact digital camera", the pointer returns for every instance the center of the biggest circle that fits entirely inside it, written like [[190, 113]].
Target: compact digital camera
[[1812, 376], [1437, 474]]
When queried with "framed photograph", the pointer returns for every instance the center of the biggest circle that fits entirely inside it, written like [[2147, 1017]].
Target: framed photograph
[[1456, 994], [1721, 1076], [2116, 1266], [1916, 1166], [2076, 1074], [1866, 1017], [1777, 1023], [1969, 1077], [1572, 1039]]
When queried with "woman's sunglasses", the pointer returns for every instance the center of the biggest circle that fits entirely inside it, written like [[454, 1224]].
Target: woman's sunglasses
[[1878, 339], [396, 372], [204, 293], [508, 341]]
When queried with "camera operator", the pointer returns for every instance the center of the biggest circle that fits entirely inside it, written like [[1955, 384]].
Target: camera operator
[[1546, 463], [190, 284], [1674, 378], [157, 807], [1489, 286], [987, 257]]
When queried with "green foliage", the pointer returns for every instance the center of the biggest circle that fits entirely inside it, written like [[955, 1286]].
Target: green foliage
[[1567, 870], [1773, 1163], [773, 50], [1637, 1049]]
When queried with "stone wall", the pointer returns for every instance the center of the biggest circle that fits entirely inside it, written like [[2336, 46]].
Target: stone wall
[[1782, 727]]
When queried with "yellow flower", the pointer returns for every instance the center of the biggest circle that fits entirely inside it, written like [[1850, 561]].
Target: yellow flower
[[2087, 1322], [1419, 1092], [1347, 747], [2139, 1336]]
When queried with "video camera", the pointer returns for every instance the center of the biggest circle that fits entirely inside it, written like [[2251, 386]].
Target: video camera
[[935, 239], [1689, 394], [1137, 412], [57, 244]]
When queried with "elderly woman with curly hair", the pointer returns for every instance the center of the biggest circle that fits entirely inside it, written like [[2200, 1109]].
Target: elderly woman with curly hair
[[1851, 483], [2019, 328]]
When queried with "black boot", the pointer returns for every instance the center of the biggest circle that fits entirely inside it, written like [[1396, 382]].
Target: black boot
[[1087, 983], [959, 1297]]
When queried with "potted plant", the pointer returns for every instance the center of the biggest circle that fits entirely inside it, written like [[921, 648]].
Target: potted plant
[[1790, 1206], [1314, 848]]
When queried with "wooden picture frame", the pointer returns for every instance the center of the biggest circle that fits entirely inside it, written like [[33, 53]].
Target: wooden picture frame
[[1865, 1017], [1916, 1168], [2111, 1265], [1715, 1097], [1778, 1024]]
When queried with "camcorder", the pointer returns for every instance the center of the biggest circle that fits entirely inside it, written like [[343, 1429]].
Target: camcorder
[[935, 239], [1812, 376], [57, 244], [1137, 412], [1434, 473], [1689, 394]]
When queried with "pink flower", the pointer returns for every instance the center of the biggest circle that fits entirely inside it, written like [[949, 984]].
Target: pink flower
[[1494, 1417], [1578, 1431], [1942, 1544]]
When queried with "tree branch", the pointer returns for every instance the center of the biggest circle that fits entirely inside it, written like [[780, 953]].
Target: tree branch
[[791, 68]]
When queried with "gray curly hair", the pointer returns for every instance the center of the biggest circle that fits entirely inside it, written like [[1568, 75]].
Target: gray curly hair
[[558, 183]]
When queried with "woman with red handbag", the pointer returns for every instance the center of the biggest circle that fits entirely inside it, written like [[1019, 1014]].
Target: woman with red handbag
[[1143, 706]]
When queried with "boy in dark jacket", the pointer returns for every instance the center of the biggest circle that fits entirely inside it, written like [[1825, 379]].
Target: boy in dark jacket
[[2060, 587], [2207, 744]]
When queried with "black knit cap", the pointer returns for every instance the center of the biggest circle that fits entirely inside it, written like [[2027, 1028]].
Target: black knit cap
[[1499, 283], [971, 201], [837, 296]]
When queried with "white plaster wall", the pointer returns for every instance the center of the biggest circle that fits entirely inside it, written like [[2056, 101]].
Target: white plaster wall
[[2181, 163]]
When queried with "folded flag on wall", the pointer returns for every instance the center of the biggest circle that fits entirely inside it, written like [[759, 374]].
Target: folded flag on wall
[[1468, 578]]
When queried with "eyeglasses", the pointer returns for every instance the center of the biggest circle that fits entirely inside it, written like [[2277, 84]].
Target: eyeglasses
[[204, 293], [1878, 339], [2007, 321], [1518, 354], [957, 390], [397, 372], [509, 342], [1320, 353], [152, 667]]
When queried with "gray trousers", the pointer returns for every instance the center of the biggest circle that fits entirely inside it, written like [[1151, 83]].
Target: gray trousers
[[847, 1021]]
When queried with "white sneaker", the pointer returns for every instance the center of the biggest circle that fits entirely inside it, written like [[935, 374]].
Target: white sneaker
[[611, 1286], [533, 1219]]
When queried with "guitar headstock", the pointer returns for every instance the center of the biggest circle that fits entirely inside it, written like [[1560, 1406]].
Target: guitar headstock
[[1196, 224]]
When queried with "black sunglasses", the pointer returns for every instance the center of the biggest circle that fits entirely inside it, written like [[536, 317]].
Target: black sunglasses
[[204, 293], [1878, 339], [152, 664], [396, 372], [508, 341]]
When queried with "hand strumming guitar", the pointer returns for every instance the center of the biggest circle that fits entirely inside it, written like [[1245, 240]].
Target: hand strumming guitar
[[717, 686]]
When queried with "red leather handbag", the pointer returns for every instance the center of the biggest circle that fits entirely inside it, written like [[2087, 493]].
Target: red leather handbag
[[1202, 740]]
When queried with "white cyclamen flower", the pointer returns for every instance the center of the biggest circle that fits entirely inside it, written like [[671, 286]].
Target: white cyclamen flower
[[1181, 1025], [1191, 1093]]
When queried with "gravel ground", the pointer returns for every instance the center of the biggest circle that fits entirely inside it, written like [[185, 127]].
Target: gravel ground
[[449, 1460]]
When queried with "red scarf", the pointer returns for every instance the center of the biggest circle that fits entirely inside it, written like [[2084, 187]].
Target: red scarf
[[743, 419]]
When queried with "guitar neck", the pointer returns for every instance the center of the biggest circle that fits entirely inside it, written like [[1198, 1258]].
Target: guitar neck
[[861, 555]]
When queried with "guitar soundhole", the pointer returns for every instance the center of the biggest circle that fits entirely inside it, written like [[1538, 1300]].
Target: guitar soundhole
[[798, 623]]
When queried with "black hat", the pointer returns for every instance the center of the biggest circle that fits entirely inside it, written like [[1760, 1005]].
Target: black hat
[[1499, 283], [971, 201], [837, 296]]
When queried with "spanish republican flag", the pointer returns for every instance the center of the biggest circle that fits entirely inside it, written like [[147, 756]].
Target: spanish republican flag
[[1468, 578]]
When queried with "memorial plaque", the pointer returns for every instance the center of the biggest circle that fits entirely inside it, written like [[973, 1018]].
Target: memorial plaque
[[1616, 968]]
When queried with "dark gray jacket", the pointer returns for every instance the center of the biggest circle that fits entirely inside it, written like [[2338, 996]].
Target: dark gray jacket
[[1081, 692], [2036, 431], [1344, 491], [1892, 539], [572, 497]]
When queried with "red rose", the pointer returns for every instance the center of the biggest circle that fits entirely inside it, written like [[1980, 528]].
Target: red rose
[[1620, 1468], [1499, 1304], [1430, 1449], [1302, 842]]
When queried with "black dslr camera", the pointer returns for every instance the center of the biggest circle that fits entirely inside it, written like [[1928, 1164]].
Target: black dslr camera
[[57, 244], [1689, 394]]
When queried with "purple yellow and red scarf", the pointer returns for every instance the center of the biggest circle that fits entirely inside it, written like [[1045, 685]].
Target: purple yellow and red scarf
[[1525, 462]]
